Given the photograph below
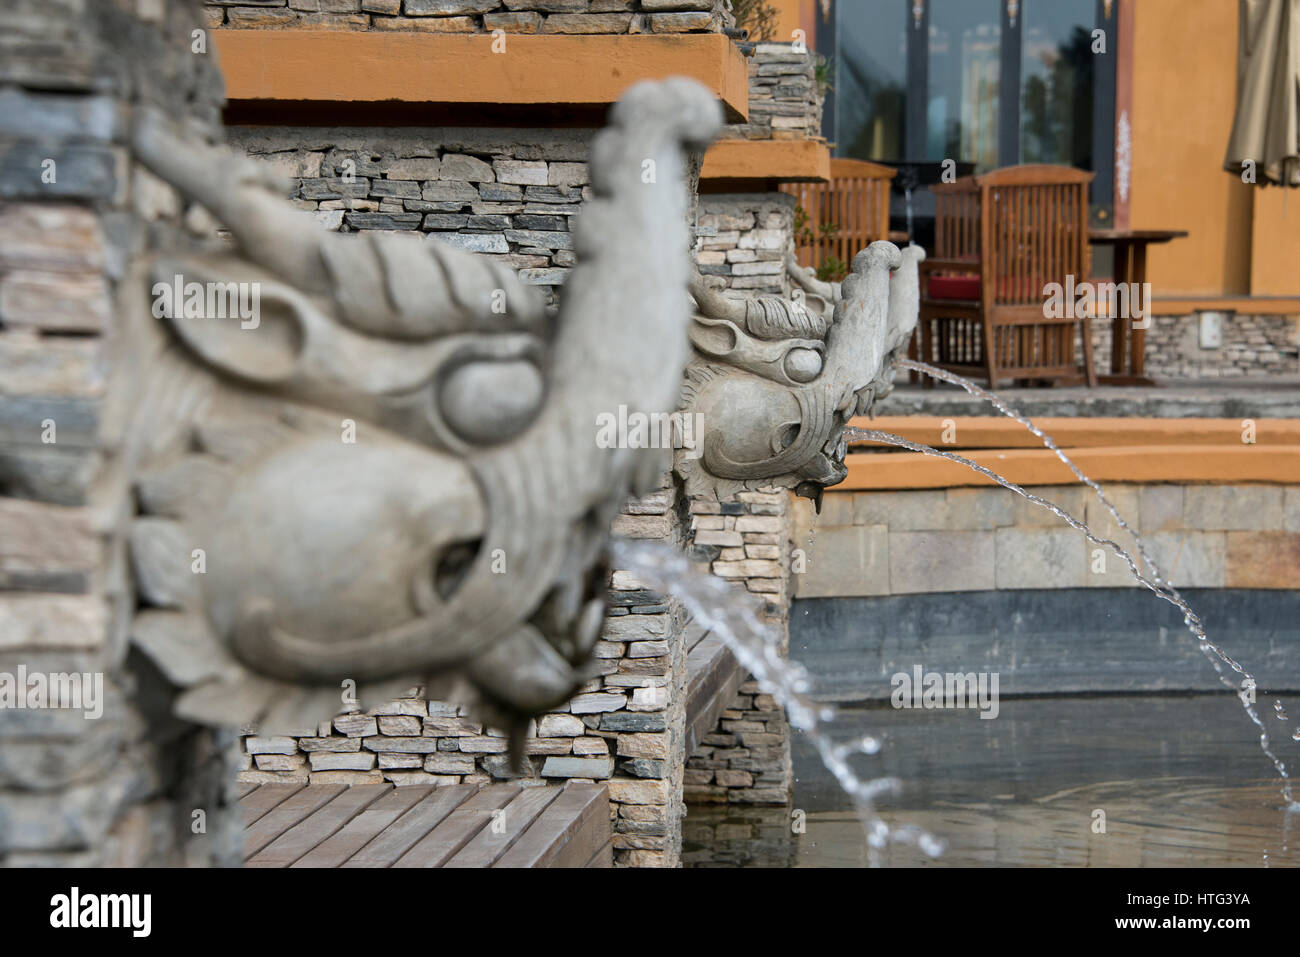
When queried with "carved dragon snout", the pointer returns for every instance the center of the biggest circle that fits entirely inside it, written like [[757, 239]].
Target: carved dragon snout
[[778, 379], [463, 526]]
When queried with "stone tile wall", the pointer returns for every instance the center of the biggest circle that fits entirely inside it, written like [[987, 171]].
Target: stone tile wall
[[507, 194], [977, 539], [1252, 346], [785, 99]]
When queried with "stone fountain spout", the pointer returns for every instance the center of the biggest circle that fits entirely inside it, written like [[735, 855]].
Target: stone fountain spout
[[777, 379], [392, 475]]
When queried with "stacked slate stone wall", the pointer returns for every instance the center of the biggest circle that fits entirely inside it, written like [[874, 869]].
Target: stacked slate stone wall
[[132, 786], [785, 97], [1252, 346], [509, 195], [475, 16], [745, 240], [747, 540]]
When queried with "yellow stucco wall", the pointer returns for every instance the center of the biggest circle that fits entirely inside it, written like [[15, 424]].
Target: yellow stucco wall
[[1184, 89], [794, 15], [1275, 249]]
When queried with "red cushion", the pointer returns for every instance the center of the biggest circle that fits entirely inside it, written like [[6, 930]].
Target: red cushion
[[955, 287]]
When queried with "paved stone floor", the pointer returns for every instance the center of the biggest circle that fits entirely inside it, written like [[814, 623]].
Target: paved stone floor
[[1171, 399]]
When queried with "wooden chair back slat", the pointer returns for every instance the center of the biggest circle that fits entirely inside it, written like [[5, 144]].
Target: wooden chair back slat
[[1018, 229], [856, 199]]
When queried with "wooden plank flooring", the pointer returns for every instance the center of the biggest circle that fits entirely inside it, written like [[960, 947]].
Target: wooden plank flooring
[[464, 825]]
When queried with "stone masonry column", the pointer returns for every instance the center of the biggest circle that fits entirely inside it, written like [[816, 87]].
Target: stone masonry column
[[747, 540], [111, 778]]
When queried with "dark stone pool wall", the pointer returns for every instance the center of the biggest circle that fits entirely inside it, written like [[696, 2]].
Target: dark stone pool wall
[[1071, 640]]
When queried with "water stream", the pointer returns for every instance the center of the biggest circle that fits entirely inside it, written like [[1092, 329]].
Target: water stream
[[1157, 585], [756, 643], [735, 618]]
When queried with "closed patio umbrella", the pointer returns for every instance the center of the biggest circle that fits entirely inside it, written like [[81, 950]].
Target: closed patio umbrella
[[1266, 127]]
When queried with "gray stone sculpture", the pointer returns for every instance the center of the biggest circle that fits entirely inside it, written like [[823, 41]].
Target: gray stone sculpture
[[904, 307], [776, 380], [390, 472]]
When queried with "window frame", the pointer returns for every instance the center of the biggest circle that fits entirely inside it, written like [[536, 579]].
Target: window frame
[[1011, 49]]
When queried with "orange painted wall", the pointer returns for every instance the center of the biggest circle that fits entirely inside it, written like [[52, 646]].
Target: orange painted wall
[[1243, 240], [1184, 85], [796, 15], [1275, 246]]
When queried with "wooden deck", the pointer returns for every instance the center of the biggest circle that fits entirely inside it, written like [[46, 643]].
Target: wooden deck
[[379, 825]]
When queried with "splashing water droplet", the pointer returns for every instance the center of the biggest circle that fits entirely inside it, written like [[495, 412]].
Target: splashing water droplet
[[931, 845]]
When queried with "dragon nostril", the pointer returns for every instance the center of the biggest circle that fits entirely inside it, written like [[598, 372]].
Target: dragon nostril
[[785, 436], [452, 565]]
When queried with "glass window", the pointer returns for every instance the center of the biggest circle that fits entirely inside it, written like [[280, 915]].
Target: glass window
[[870, 79], [1056, 83], [964, 67], [982, 82]]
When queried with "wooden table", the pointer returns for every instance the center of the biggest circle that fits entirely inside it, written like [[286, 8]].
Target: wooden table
[[1128, 345]]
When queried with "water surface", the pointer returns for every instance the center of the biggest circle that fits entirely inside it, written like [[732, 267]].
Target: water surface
[[1180, 780]]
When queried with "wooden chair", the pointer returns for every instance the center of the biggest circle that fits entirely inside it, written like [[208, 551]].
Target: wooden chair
[[1000, 239], [856, 200]]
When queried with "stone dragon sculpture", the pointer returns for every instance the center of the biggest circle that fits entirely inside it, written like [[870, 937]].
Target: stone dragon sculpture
[[460, 530], [776, 379]]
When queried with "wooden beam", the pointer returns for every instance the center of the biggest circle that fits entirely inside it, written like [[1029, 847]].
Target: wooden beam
[[420, 70], [1220, 464], [766, 161], [999, 432]]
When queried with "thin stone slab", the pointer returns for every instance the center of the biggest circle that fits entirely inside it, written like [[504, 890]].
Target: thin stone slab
[[317, 827], [338, 848], [406, 831], [604, 857], [286, 814], [440, 844], [485, 847], [713, 680]]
